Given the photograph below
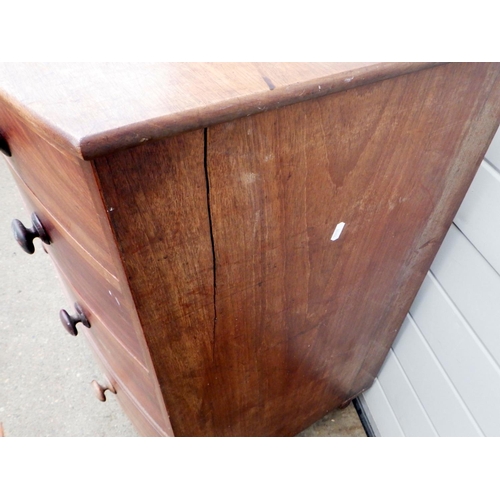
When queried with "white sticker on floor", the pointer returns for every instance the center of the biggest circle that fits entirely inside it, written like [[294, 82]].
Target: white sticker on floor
[[338, 230]]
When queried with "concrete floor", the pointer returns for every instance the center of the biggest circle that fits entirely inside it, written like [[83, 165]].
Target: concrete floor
[[337, 423], [45, 373]]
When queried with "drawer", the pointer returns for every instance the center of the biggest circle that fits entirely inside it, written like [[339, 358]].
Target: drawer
[[102, 295], [64, 184], [142, 421], [35, 204], [138, 381]]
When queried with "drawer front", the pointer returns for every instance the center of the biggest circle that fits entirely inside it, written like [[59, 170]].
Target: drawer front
[[142, 421], [112, 335], [132, 375], [103, 296], [65, 185]]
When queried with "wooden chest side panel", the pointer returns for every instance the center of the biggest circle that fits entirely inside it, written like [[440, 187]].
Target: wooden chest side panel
[[302, 322], [257, 322], [157, 203]]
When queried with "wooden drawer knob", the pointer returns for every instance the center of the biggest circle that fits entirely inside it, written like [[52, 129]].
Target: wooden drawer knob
[[101, 389], [25, 236], [69, 322], [4, 146]]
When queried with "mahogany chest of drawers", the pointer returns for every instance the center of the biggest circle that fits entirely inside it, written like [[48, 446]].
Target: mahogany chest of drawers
[[241, 242]]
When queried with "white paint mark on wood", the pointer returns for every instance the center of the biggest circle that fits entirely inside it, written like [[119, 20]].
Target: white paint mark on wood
[[338, 231]]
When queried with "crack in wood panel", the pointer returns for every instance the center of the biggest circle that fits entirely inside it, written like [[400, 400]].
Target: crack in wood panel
[[207, 177]]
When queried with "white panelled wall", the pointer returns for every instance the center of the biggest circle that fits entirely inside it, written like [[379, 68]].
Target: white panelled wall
[[442, 375]]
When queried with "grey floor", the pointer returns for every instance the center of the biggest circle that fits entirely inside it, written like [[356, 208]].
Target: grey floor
[[45, 373]]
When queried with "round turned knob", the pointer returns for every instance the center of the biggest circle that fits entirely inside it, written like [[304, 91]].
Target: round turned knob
[[25, 236], [70, 322], [101, 389], [4, 146]]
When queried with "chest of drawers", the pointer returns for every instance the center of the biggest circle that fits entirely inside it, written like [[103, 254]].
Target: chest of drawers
[[241, 242]]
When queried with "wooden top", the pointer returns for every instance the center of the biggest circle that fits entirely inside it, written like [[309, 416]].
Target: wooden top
[[91, 109]]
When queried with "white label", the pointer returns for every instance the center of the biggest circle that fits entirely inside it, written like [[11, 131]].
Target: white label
[[338, 230]]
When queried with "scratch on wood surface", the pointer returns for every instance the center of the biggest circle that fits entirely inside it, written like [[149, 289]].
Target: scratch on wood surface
[[270, 84], [432, 240]]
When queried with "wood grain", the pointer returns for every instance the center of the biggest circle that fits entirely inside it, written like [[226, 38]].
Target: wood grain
[[104, 296], [143, 421], [111, 311], [63, 185], [162, 227], [300, 318], [493, 153], [91, 109], [82, 242], [139, 383], [459, 141], [67, 248], [258, 323]]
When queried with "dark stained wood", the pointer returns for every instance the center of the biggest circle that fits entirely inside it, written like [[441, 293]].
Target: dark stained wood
[[67, 247], [91, 109], [162, 226], [229, 300], [139, 383], [89, 261], [103, 293], [143, 422], [300, 318], [475, 100], [63, 185], [286, 337]]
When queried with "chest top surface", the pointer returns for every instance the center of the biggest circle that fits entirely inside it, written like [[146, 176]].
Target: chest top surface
[[91, 109]]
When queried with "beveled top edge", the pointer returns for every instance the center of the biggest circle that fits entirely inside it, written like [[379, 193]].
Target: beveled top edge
[[90, 110]]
